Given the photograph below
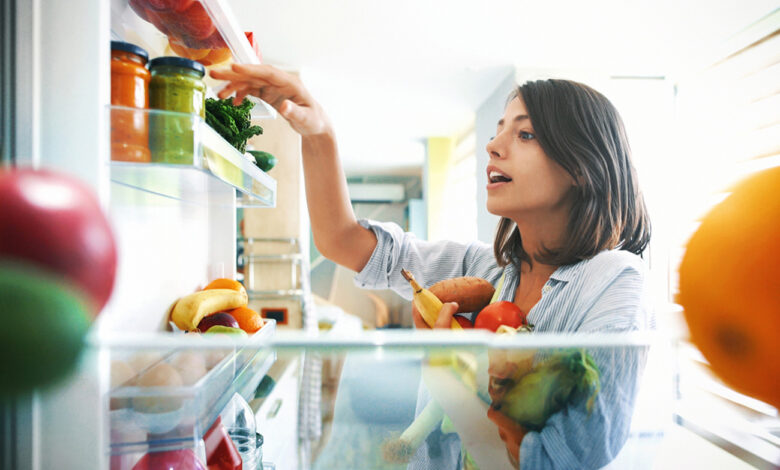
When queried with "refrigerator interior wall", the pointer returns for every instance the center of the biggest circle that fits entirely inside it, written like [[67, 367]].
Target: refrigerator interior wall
[[167, 248]]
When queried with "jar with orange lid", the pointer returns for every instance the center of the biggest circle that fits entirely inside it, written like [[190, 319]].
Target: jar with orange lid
[[129, 95]]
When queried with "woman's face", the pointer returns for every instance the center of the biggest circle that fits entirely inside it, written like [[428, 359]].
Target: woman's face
[[522, 179]]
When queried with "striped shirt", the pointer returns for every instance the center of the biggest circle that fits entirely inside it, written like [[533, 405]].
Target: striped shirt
[[606, 293]]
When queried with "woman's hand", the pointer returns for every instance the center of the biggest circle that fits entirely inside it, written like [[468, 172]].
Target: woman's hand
[[505, 367], [443, 321], [510, 432], [283, 91]]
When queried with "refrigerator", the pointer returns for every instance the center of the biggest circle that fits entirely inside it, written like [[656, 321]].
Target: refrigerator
[[331, 395]]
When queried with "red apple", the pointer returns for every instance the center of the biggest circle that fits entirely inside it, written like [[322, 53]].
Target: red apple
[[54, 221], [221, 318]]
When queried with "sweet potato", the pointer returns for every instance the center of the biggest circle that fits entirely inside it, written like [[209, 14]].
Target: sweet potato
[[471, 293]]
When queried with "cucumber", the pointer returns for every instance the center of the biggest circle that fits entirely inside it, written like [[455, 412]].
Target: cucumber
[[264, 160]]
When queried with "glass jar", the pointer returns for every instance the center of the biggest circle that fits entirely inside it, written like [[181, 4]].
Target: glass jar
[[130, 89], [176, 85]]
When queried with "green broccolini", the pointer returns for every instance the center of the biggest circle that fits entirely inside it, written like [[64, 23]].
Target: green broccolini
[[233, 123], [560, 379]]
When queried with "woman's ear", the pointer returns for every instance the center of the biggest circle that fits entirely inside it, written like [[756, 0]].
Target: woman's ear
[[577, 179]]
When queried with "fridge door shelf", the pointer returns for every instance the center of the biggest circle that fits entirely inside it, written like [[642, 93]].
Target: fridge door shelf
[[176, 417], [189, 160], [203, 30]]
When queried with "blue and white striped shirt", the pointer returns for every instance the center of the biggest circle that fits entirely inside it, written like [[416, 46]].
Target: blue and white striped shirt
[[606, 293]]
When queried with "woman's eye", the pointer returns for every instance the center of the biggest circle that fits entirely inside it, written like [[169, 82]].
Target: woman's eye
[[492, 137], [526, 135]]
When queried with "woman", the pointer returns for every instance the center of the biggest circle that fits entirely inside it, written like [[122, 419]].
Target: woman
[[573, 223]]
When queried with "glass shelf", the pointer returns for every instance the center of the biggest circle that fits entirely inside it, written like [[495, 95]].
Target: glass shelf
[[190, 161], [370, 385]]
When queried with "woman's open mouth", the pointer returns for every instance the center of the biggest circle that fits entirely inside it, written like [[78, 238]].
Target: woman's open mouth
[[497, 178]]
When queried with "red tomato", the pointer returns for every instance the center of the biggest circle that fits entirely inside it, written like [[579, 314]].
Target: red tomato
[[196, 22], [464, 322], [500, 313], [55, 222]]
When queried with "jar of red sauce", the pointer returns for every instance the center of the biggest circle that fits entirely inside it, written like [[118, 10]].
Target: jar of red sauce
[[129, 95]]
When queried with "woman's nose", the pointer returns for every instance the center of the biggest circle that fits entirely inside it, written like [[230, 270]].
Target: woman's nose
[[493, 148]]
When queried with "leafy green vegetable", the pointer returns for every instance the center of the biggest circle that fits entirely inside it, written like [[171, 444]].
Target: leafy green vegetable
[[233, 123], [562, 378]]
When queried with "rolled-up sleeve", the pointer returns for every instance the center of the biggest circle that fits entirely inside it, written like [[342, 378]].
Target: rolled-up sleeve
[[429, 262], [573, 437]]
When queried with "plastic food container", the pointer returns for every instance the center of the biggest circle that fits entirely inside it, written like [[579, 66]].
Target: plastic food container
[[129, 88], [152, 415], [203, 30], [176, 85]]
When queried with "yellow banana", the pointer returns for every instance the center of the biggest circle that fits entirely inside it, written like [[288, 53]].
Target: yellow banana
[[426, 302], [191, 309]]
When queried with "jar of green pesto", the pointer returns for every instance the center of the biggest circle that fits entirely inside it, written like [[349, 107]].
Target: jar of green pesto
[[176, 85]]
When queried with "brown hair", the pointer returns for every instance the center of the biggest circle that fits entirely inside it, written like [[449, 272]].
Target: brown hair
[[582, 131]]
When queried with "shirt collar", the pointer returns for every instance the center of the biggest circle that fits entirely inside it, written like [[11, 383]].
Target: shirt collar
[[562, 274], [565, 273]]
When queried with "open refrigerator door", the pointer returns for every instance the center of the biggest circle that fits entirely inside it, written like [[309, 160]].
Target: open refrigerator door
[[174, 226]]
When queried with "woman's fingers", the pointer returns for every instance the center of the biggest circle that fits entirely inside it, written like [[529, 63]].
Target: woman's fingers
[[266, 73], [418, 319], [442, 322], [444, 319], [292, 112], [506, 423], [283, 91], [510, 432], [230, 88]]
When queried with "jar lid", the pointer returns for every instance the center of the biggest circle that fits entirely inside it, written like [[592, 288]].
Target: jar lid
[[131, 48], [178, 62]]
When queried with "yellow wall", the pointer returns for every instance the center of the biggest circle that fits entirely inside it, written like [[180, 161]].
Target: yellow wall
[[439, 160]]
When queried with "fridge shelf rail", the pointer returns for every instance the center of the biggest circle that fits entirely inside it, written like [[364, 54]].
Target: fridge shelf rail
[[190, 160]]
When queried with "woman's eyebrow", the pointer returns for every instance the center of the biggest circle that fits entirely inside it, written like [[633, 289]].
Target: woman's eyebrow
[[518, 118]]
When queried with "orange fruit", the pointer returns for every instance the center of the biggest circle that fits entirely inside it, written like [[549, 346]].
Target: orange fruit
[[730, 287], [248, 319], [216, 56], [224, 283], [187, 52]]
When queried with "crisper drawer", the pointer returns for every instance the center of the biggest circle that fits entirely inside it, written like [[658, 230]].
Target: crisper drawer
[[166, 399]]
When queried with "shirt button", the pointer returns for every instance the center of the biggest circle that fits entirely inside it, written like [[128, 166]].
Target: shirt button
[[546, 289]]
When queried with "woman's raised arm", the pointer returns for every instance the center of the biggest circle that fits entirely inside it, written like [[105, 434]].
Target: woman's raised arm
[[337, 234]]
